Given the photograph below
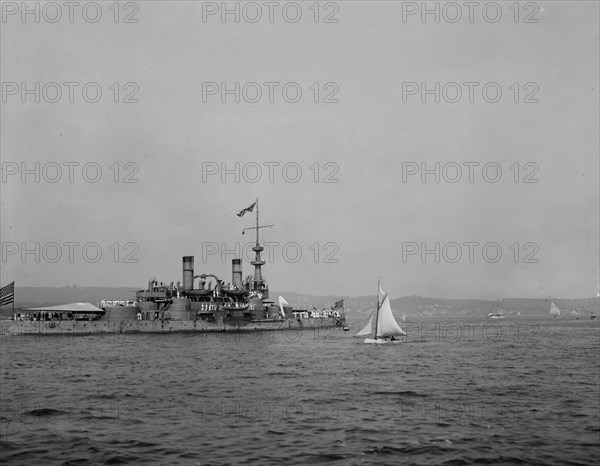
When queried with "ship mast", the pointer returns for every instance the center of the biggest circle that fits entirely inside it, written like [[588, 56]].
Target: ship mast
[[258, 282], [257, 262], [257, 227]]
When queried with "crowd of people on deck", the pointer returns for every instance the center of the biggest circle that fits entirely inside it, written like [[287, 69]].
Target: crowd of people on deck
[[41, 316]]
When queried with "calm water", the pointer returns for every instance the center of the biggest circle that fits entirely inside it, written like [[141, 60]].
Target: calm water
[[455, 392]]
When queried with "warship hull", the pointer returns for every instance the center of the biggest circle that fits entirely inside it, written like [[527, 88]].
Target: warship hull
[[183, 326], [243, 305]]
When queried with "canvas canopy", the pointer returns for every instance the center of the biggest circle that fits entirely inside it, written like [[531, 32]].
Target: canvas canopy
[[73, 307]]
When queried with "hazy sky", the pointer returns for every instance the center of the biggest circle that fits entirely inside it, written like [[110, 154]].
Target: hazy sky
[[541, 213]]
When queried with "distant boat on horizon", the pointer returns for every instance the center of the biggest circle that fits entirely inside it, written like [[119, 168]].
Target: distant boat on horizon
[[554, 310], [381, 326], [498, 312]]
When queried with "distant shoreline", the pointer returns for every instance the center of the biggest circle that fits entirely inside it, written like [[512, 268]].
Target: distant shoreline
[[411, 305]]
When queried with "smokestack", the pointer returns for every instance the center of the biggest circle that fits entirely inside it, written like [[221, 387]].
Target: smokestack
[[236, 273], [188, 272], [151, 282]]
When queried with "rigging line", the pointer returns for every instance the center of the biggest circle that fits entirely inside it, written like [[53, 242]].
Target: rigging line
[[203, 219]]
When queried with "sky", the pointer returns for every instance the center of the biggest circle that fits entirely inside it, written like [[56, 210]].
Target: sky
[[385, 165]]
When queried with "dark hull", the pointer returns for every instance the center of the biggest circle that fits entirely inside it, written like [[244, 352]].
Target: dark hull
[[146, 326]]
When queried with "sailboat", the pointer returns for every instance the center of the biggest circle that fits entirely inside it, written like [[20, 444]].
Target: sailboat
[[382, 326], [554, 310], [498, 313]]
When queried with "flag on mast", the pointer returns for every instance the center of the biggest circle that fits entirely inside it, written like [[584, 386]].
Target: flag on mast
[[7, 294], [247, 209]]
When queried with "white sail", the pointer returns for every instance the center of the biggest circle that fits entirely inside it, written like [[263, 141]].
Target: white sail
[[282, 303], [386, 324], [368, 328], [554, 310], [498, 312]]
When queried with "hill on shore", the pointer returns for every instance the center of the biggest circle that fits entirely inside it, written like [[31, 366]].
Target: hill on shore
[[412, 306]]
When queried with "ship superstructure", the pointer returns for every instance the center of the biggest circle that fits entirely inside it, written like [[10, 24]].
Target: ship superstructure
[[209, 298]]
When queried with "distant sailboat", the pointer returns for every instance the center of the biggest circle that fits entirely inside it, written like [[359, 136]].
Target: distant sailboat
[[382, 326], [498, 312], [554, 310]]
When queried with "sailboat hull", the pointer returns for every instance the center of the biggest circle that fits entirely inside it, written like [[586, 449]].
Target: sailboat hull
[[380, 341]]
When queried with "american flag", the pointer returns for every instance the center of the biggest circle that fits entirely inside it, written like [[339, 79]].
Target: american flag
[[7, 294], [247, 209], [338, 305]]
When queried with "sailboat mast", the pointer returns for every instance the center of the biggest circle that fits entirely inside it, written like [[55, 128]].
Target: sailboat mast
[[377, 308]]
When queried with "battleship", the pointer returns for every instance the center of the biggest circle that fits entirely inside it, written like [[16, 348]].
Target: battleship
[[199, 303]]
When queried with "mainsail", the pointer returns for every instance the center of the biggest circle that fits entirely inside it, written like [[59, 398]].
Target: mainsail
[[386, 324], [554, 310], [381, 323]]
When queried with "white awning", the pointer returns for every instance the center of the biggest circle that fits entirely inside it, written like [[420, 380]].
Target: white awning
[[73, 307]]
